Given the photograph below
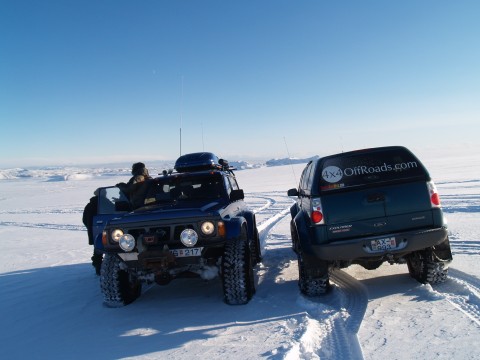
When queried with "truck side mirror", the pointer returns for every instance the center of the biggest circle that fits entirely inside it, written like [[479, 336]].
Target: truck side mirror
[[292, 192]]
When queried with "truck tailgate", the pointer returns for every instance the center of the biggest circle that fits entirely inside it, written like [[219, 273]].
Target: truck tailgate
[[376, 211]]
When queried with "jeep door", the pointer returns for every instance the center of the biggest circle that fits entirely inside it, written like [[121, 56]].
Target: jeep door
[[237, 206], [111, 202]]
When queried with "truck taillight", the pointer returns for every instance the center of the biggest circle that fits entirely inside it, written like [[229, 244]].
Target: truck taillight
[[317, 217], [434, 197], [317, 213]]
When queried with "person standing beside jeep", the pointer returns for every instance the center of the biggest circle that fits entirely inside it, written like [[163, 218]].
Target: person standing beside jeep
[[89, 212]]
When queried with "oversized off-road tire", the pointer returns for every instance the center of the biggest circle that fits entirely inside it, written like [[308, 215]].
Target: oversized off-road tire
[[309, 285], [255, 250], [237, 272], [119, 288], [425, 268], [293, 233]]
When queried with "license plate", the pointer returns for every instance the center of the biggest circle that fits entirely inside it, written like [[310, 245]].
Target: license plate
[[187, 252], [383, 244]]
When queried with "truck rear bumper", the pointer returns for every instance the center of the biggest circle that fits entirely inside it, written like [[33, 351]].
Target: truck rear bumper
[[375, 246]]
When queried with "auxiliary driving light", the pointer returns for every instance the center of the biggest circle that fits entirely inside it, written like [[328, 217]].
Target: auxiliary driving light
[[207, 228], [189, 237], [127, 242], [116, 234]]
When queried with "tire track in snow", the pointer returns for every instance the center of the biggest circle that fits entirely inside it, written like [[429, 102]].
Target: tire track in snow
[[272, 208], [45, 211], [354, 298], [325, 334], [270, 203], [463, 292], [68, 227], [348, 301], [42, 211], [463, 246]]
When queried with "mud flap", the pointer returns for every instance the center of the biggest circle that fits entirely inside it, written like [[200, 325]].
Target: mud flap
[[442, 252]]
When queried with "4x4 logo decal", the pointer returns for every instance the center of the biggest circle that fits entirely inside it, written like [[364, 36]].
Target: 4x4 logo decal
[[332, 174]]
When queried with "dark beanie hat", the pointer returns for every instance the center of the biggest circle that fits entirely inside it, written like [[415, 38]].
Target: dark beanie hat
[[137, 168]]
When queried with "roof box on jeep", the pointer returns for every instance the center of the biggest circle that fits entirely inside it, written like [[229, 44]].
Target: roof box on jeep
[[196, 162]]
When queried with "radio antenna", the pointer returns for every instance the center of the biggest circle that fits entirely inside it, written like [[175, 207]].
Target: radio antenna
[[181, 118], [203, 143], [289, 160]]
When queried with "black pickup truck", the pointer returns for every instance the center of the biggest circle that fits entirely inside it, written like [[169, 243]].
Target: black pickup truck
[[368, 207], [193, 221]]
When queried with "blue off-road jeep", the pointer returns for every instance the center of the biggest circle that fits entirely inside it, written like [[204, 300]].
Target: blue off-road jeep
[[191, 222], [368, 207]]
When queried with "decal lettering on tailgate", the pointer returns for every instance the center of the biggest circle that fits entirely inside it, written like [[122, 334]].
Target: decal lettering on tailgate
[[340, 229]]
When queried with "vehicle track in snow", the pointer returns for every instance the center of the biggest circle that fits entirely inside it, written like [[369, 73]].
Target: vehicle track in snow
[[69, 227], [463, 292], [48, 212], [42, 211], [348, 301], [266, 204], [354, 298], [333, 320]]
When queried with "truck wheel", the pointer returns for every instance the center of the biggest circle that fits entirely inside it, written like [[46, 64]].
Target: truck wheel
[[293, 233], [237, 271], [424, 268], [255, 248], [311, 285], [119, 288]]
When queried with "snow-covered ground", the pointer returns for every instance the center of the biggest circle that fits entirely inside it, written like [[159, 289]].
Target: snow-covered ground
[[51, 305]]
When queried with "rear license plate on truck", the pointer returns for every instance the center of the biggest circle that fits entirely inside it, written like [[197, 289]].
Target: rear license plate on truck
[[383, 244]]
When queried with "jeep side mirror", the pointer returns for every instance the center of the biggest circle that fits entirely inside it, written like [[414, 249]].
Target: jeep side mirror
[[237, 195], [292, 192]]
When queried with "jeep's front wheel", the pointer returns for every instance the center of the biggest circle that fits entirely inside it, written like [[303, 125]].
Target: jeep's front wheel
[[237, 272], [119, 288], [312, 285], [425, 268]]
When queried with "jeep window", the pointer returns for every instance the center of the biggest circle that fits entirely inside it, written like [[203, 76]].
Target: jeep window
[[363, 168], [108, 197], [228, 185], [171, 189], [233, 182]]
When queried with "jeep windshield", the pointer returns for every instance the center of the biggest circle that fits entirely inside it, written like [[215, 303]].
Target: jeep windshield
[[184, 188], [367, 167]]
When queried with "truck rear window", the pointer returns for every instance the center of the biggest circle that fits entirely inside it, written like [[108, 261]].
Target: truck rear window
[[368, 167]]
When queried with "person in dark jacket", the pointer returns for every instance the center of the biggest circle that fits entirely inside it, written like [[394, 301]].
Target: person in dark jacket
[[136, 187], [89, 212]]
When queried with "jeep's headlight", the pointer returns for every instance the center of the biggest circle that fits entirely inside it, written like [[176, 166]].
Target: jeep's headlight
[[127, 242], [189, 237], [207, 228], [116, 235]]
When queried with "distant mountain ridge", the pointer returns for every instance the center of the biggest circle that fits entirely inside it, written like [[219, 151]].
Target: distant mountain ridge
[[289, 161], [67, 173]]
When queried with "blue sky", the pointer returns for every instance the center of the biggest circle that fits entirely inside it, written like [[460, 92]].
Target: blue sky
[[101, 81]]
